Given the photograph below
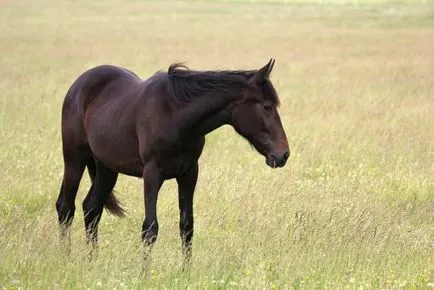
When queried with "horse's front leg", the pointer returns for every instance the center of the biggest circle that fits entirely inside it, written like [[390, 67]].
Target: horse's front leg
[[186, 186], [152, 179]]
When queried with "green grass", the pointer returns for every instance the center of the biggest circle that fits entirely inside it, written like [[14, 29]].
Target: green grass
[[353, 208]]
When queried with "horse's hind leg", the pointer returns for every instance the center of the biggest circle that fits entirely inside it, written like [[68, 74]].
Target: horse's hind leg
[[91, 168], [93, 204], [65, 205]]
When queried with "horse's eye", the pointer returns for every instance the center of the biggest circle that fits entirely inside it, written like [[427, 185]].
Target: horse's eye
[[268, 108]]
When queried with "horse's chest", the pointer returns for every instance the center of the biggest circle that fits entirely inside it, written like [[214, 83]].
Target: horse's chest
[[180, 160], [174, 167]]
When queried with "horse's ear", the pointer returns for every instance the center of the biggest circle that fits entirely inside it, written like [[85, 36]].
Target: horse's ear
[[262, 74]]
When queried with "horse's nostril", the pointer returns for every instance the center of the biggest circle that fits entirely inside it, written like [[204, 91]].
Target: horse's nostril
[[286, 155]]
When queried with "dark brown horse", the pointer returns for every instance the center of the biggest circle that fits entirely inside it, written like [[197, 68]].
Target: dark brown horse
[[114, 122]]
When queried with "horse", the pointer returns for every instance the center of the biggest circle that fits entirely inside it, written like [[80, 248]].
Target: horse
[[115, 122]]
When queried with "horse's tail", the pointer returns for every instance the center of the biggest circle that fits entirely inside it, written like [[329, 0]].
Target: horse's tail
[[113, 206]]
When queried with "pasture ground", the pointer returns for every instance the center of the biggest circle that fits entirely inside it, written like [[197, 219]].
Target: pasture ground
[[353, 208]]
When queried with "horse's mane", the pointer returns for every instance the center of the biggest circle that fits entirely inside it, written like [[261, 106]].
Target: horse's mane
[[185, 85]]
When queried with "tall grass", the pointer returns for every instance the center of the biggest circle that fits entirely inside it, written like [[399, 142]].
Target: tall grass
[[353, 208]]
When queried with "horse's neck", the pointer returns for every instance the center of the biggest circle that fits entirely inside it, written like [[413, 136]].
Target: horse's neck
[[205, 114], [209, 124]]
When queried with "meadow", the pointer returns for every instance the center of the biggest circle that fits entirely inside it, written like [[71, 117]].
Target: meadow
[[352, 209]]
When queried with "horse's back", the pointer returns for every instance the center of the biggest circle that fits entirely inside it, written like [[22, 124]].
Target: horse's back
[[93, 81]]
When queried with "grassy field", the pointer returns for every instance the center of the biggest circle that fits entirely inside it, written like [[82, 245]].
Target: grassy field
[[353, 208]]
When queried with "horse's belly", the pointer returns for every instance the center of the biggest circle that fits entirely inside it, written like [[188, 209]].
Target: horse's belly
[[121, 162], [120, 154], [112, 140], [135, 169]]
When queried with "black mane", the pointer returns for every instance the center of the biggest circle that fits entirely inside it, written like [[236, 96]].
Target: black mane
[[185, 85]]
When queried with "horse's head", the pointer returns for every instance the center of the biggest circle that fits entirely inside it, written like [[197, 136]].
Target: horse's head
[[255, 117]]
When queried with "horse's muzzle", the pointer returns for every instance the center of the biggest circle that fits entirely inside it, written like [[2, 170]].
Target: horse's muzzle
[[274, 160]]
